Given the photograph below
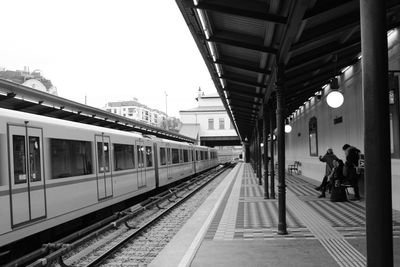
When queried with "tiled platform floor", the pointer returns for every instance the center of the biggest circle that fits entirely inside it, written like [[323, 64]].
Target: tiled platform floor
[[241, 230], [246, 215]]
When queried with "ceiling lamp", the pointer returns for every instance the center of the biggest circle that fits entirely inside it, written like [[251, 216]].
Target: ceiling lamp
[[288, 128], [335, 98]]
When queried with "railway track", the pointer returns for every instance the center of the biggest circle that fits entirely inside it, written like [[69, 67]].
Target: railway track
[[146, 228]]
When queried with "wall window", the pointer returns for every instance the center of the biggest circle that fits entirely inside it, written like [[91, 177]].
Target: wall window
[[221, 124], [211, 124], [149, 156], [163, 158], [313, 136], [124, 157], [70, 158], [185, 155], [175, 156]]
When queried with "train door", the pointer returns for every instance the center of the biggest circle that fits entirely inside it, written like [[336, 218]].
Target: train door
[[104, 174], [141, 173], [27, 183]]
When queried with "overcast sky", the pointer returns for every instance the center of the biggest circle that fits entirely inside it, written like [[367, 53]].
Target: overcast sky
[[108, 50]]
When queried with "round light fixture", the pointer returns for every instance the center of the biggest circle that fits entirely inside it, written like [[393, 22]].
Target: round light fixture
[[262, 145], [288, 128], [335, 99]]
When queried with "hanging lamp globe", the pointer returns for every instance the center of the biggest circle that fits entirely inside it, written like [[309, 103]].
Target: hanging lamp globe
[[288, 128], [335, 99]]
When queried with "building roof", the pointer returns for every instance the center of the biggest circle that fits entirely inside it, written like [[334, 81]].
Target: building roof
[[190, 130], [132, 103], [242, 42], [204, 109]]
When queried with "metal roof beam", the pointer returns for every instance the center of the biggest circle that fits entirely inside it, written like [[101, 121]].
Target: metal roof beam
[[327, 30], [241, 11], [317, 54], [241, 81], [237, 65], [241, 44], [293, 29], [243, 93], [245, 106], [27, 105], [241, 100], [8, 96]]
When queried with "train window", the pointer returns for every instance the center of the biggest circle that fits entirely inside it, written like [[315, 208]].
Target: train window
[[313, 138], [124, 158], [180, 155], [19, 159], [35, 170], [185, 156], [163, 158], [103, 154], [169, 155], [201, 155], [70, 158], [206, 156], [198, 155], [149, 156], [175, 156], [140, 156]]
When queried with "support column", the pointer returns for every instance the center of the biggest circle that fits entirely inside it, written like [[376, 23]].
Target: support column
[[247, 152], [260, 158], [280, 124], [376, 133], [272, 172], [265, 142]]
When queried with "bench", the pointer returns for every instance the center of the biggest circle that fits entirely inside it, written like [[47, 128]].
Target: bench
[[294, 167]]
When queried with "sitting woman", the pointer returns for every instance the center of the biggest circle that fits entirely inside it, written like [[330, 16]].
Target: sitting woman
[[336, 176]]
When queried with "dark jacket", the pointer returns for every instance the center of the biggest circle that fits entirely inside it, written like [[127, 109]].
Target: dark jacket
[[328, 158]]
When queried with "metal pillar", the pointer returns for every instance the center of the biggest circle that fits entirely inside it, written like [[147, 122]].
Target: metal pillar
[[280, 124], [247, 152], [265, 142], [376, 133], [272, 172], [260, 159]]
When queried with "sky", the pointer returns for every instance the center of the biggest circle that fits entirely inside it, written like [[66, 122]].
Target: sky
[[107, 50]]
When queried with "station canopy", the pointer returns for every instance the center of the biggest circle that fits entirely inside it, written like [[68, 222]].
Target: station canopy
[[21, 98], [243, 41]]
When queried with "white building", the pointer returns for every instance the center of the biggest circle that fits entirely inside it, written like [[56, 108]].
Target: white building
[[132, 109], [209, 123]]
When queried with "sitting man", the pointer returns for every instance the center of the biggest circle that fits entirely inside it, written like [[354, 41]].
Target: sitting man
[[336, 176], [350, 168]]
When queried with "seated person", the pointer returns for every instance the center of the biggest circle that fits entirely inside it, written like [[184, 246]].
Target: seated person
[[336, 176]]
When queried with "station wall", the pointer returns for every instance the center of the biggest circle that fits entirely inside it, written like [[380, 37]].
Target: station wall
[[335, 135]]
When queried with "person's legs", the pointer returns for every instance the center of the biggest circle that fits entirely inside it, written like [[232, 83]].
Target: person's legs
[[324, 181]]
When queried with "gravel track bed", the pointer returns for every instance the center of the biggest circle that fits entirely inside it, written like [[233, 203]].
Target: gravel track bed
[[142, 249]]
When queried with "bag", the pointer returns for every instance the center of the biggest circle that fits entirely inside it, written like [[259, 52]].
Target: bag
[[338, 194]]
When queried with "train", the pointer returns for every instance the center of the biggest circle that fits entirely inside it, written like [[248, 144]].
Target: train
[[53, 171]]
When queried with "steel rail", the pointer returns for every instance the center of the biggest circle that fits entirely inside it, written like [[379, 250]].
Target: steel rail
[[139, 230]]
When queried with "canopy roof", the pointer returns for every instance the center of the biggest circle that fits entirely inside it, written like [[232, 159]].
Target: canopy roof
[[243, 41]]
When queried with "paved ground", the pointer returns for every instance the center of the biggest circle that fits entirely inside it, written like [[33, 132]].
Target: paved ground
[[242, 231]]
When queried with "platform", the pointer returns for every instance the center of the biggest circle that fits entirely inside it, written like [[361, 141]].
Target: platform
[[236, 226]]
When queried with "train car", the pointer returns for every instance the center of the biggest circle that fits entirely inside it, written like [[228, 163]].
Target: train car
[[53, 171]]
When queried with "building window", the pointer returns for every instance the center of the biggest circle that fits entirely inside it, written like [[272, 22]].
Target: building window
[[313, 136], [115, 110], [211, 124], [108, 110], [221, 124]]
